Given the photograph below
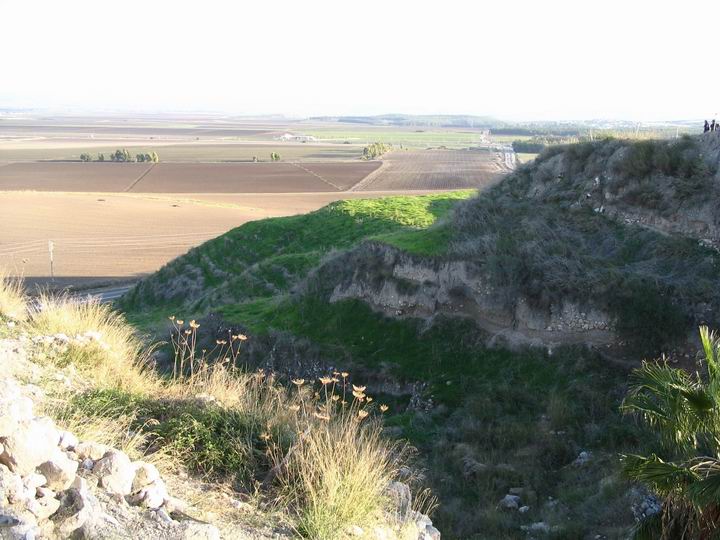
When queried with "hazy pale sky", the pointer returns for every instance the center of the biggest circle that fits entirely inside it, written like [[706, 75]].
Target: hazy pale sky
[[524, 59]]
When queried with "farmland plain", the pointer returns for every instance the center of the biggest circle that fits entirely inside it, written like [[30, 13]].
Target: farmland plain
[[114, 222]]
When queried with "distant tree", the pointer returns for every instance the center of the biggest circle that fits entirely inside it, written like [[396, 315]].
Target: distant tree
[[140, 158], [85, 157], [376, 150], [274, 156], [155, 157], [148, 157], [255, 159], [101, 157]]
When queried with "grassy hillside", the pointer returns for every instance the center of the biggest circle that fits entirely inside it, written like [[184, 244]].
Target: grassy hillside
[[267, 257], [487, 420]]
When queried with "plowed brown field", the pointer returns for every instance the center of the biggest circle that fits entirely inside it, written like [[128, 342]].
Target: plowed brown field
[[184, 177], [436, 169]]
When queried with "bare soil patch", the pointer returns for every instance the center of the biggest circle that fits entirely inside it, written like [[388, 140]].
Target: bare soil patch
[[95, 177], [436, 169], [240, 178], [183, 177], [102, 237]]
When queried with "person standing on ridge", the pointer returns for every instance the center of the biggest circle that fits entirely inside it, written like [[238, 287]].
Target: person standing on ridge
[[706, 127]]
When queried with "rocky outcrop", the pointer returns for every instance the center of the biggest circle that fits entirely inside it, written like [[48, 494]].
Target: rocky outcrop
[[404, 285], [684, 204], [54, 486]]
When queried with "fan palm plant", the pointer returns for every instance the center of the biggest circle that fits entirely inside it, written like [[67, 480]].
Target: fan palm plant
[[684, 409]]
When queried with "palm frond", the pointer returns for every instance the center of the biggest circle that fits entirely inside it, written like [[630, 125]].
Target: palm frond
[[663, 477], [649, 528], [706, 490]]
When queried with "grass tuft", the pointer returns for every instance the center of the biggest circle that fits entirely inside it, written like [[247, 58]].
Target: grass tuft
[[13, 304]]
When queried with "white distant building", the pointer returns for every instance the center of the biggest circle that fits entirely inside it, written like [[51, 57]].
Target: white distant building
[[289, 137]]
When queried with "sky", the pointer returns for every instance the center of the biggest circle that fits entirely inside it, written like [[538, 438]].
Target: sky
[[519, 60]]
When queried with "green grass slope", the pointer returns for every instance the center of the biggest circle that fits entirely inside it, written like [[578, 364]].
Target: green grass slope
[[267, 257]]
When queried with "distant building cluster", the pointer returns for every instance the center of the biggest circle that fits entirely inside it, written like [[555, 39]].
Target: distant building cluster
[[289, 137]]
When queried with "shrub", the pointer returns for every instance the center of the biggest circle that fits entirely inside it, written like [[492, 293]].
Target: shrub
[[337, 472]]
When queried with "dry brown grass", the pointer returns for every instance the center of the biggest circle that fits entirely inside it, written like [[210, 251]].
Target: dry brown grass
[[13, 304], [332, 464], [100, 343]]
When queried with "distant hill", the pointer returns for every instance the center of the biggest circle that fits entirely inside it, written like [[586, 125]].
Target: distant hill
[[409, 120]]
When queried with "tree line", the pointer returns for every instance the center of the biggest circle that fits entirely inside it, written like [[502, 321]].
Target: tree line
[[123, 156], [375, 150]]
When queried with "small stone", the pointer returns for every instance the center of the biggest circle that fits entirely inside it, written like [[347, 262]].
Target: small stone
[[91, 450], [34, 480], [355, 530], [173, 504], [145, 474], [162, 516], [14, 406], [195, 530], [116, 472], [59, 470], [509, 502], [582, 459], [11, 486], [44, 507], [68, 441], [44, 492], [152, 496], [523, 509]]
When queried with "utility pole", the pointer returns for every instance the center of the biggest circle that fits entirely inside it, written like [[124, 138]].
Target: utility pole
[[51, 248]]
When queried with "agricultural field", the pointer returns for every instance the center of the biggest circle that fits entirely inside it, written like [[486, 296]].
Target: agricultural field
[[406, 137], [114, 222], [184, 177], [103, 238], [191, 151], [436, 169]]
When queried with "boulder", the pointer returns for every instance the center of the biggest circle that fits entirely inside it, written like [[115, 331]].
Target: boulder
[[30, 444], [59, 470], [116, 472]]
